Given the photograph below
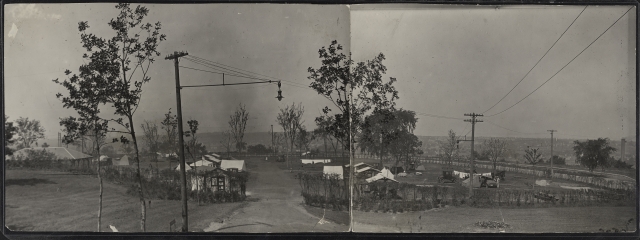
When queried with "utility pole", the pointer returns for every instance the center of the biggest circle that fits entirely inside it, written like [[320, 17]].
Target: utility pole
[[473, 121], [183, 178], [273, 151], [551, 161]]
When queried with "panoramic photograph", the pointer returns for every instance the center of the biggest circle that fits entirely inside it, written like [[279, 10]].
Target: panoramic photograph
[[301, 118]]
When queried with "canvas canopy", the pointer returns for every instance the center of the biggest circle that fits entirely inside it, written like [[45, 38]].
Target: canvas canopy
[[202, 163], [228, 164], [312, 161], [420, 168], [366, 169], [333, 170], [476, 181], [384, 175]]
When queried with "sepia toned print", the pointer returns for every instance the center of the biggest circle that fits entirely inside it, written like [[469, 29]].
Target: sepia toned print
[[285, 118]]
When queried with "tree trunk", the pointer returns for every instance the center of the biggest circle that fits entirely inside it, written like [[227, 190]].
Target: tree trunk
[[100, 180], [143, 206]]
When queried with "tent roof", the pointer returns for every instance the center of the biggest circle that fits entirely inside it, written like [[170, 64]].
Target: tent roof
[[420, 168], [366, 169], [226, 164], [59, 152], [379, 177], [333, 170], [211, 158]]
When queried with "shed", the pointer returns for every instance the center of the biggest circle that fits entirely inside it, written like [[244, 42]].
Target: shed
[[229, 165], [329, 170]]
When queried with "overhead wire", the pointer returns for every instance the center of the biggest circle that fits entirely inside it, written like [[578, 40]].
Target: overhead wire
[[564, 65], [545, 54]]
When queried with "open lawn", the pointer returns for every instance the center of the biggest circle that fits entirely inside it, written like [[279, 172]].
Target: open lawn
[[55, 201], [521, 220]]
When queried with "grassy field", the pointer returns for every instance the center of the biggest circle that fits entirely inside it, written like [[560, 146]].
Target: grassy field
[[54, 201], [521, 220]]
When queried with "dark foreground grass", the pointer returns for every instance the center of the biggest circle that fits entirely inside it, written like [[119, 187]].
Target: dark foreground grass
[[463, 219], [339, 217], [53, 201]]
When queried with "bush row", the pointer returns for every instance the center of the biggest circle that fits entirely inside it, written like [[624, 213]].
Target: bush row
[[163, 185]]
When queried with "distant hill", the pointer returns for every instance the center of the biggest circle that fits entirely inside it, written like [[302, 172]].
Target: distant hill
[[430, 144]]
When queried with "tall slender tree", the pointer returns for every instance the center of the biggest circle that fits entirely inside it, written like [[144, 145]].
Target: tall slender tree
[[494, 149], [238, 124], [290, 119], [449, 148], [170, 126], [118, 67]]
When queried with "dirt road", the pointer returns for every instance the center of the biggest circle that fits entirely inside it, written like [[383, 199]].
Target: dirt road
[[274, 206]]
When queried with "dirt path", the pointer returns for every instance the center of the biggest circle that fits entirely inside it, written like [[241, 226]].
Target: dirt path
[[274, 206]]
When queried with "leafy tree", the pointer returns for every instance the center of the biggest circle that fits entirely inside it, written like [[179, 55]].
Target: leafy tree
[[279, 141], [593, 153], [258, 149], [9, 132], [170, 126], [44, 145], [494, 149], [238, 124], [321, 131], [353, 89], [193, 147], [403, 145], [28, 131], [532, 156], [113, 64], [449, 148], [383, 127]]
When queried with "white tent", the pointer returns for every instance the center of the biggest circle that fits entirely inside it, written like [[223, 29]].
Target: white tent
[[312, 161], [202, 163], [124, 161], [385, 175], [228, 164], [104, 158], [187, 167], [330, 170]]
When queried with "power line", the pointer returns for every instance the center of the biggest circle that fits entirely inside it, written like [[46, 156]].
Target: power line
[[239, 69], [574, 58], [226, 74], [202, 63], [545, 54]]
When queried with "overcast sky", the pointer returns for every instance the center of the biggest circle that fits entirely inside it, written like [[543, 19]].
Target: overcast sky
[[455, 60], [279, 41], [448, 61]]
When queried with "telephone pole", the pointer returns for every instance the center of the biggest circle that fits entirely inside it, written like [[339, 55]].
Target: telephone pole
[[273, 151], [183, 178], [551, 161], [473, 121]]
